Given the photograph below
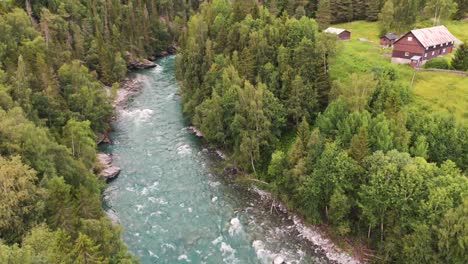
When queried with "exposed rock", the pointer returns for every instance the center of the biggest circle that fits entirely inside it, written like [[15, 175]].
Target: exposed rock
[[231, 170], [137, 63], [195, 131], [221, 154], [172, 49], [109, 171], [103, 138], [169, 51], [279, 260], [128, 87]]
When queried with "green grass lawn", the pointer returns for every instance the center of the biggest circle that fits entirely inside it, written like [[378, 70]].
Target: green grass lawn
[[443, 92], [437, 91], [362, 29]]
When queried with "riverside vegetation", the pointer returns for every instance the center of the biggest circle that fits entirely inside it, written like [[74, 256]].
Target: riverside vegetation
[[350, 152], [55, 58], [256, 81]]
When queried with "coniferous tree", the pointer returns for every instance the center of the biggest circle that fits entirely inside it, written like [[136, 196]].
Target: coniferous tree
[[386, 17], [460, 60], [323, 16]]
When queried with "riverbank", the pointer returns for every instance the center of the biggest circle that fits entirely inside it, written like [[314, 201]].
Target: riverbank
[[128, 87], [317, 235], [173, 204]]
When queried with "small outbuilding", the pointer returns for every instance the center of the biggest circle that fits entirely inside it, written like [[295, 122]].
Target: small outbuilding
[[342, 34], [415, 61], [387, 40]]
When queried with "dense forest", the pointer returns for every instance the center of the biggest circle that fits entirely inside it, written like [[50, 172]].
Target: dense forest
[[352, 155], [56, 56], [255, 79]]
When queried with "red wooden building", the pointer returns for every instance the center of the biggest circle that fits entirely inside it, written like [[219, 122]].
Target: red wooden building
[[342, 34], [424, 43], [387, 40]]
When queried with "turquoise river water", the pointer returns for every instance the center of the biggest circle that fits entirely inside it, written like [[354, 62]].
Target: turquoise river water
[[171, 203]]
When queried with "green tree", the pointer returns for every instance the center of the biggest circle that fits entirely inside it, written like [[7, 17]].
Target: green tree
[[21, 198], [386, 17], [79, 137], [359, 145], [460, 60], [323, 16], [209, 118], [420, 147], [453, 234], [340, 206], [440, 9], [85, 251]]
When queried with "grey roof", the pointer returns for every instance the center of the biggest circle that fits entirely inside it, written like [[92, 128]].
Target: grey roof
[[333, 30], [433, 36], [390, 36]]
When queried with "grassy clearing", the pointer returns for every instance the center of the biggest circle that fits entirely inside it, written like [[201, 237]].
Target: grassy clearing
[[443, 92], [436, 91], [362, 29]]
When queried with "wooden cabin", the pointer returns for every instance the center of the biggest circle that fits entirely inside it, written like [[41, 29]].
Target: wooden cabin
[[387, 40], [342, 34], [425, 42]]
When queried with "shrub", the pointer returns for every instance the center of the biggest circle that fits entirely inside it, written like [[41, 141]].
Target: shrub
[[437, 63]]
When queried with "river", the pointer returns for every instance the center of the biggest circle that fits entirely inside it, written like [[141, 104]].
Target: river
[[173, 205]]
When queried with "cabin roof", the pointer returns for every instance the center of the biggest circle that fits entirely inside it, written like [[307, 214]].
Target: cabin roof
[[333, 30], [433, 36], [390, 36]]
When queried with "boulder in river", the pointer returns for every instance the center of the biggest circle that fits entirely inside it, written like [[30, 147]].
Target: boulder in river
[[134, 63], [109, 171]]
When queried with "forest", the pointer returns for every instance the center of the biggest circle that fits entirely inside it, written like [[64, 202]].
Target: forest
[[255, 79], [349, 154], [56, 59]]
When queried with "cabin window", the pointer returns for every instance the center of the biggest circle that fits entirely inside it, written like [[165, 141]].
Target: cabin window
[[433, 53], [406, 54], [410, 38], [425, 55], [443, 51]]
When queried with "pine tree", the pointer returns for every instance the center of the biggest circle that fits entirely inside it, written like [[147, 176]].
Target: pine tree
[[373, 8], [420, 147], [386, 17], [295, 102], [460, 60], [359, 9], [85, 252], [323, 14], [359, 145]]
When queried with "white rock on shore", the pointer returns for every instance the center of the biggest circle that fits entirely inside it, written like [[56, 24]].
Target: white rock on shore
[[195, 131], [109, 171]]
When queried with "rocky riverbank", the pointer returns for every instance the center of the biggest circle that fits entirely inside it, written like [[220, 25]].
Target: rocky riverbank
[[109, 171], [312, 233], [127, 88]]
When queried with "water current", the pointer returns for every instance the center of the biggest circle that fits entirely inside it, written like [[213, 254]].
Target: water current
[[172, 201]]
